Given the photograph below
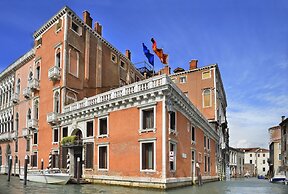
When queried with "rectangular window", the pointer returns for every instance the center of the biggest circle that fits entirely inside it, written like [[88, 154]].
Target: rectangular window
[[172, 157], [193, 134], [205, 163], [263, 155], [55, 136], [263, 161], [193, 155], [250, 161], [89, 155], [258, 155], [27, 144], [34, 159], [89, 128], [208, 158], [206, 74], [103, 157], [59, 24], [206, 98], [64, 131], [172, 119], [147, 155], [205, 141], [208, 143], [122, 64], [280, 157], [183, 79], [103, 126], [35, 138], [73, 61], [76, 28], [16, 145], [148, 118], [55, 160], [264, 169], [250, 155], [113, 58]]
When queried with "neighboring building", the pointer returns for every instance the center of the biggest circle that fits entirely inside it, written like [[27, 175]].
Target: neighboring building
[[274, 150], [75, 95], [204, 87], [257, 157], [236, 162], [284, 145]]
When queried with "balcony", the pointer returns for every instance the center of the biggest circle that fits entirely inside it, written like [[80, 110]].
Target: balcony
[[25, 132], [8, 136], [52, 118], [34, 84], [33, 123], [27, 93], [15, 98], [54, 73]]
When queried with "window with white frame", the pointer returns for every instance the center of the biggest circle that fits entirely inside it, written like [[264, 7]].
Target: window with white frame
[[58, 57], [183, 79], [113, 58], [206, 98], [74, 60], [102, 157], [56, 102], [208, 143], [172, 157], [205, 141], [34, 159], [55, 135], [35, 138], [206, 74], [205, 163], [76, 28], [193, 135], [89, 128], [147, 157], [122, 64], [103, 126], [172, 121], [147, 118]]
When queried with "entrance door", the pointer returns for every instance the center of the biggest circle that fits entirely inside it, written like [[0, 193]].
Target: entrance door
[[77, 154]]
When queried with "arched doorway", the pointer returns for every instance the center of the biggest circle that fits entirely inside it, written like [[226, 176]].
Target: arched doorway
[[77, 151]]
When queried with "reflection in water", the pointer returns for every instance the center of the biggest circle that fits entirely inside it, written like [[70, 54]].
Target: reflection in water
[[236, 186]]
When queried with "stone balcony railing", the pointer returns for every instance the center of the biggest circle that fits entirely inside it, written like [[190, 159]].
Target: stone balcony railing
[[52, 118], [33, 123], [27, 93], [15, 97], [8, 136], [54, 73], [34, 84], [119, 92], [25, 132]]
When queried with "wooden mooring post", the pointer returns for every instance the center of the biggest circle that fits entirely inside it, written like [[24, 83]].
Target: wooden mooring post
[[25, 169]]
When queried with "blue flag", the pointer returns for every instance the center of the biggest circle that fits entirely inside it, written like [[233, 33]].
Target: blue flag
[[149, 56]]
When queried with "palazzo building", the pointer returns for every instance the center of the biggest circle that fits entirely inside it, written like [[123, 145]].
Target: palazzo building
[[74, 95]]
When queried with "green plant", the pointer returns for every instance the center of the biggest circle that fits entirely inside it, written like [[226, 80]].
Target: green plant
[[68, 140]]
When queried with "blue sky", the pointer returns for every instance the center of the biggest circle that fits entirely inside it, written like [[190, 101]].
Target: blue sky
[[247, 38]]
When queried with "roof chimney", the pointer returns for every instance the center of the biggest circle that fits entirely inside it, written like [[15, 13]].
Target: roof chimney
[[283, 118], [193, 64], [165, 70], [87, 19], [98, 28], [128, 54]]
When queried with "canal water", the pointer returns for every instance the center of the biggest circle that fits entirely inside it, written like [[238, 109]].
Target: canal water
[[234, 186]]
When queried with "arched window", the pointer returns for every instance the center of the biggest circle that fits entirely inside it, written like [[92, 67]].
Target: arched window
[[30, 76], [36, 109], [58, 58], [18, 86], [206, 98], [57, 102], [17, 122], [38, 71], [28, 116]]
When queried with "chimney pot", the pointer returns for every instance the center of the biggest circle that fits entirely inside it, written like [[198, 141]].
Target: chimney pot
[[128, 54], [87, 19], [193, 64], [283, 118], [98, 28]]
